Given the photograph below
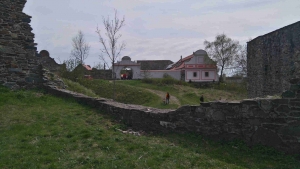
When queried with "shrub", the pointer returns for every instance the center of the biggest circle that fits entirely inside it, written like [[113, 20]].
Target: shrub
[[147, 80]]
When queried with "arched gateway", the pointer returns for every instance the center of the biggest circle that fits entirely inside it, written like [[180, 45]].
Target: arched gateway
[[127, 64]]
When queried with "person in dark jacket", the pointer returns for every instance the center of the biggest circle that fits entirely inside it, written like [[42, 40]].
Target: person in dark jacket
[[201, 99]]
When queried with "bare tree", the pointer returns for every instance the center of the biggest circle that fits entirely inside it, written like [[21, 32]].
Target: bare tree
[[111, 48], [71, 64], [98, 66], [223, 50], [241, 61], [80, 49]]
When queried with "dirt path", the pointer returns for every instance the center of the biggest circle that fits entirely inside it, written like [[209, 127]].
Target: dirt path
[[162, 95]]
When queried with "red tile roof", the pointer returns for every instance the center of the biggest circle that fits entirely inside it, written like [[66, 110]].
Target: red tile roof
[[88, 67], [180, 64]]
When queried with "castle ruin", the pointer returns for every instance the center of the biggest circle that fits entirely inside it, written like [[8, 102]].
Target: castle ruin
[[273, 61]]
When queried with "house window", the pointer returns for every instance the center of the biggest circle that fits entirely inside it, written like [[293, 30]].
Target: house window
[[206, 74], [195, 74]]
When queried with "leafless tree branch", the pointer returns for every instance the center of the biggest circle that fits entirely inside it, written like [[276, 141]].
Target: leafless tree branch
[[223, 50], [80, 49], [109, 40]]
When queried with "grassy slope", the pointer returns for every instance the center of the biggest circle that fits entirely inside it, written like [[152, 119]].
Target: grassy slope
[[76, 87], [134, 92], [125, 93], [42, 131], [189, 95]]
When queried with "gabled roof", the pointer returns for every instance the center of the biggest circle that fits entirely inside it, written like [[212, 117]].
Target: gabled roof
[[87, 67], [180, 63]]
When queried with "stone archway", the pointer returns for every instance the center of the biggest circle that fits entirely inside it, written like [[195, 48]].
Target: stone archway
[[126, 73], [126, 65]]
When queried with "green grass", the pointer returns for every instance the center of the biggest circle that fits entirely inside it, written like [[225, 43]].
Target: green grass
[[190, 95], [74, 86], [135, 91], [124, 93], [42, 131]]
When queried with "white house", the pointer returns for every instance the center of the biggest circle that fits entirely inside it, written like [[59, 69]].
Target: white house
[[197, 67]]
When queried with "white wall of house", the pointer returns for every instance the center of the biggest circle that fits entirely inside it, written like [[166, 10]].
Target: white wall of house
[[197, 70], [208, 75], [201, 75], [160, 73], [193, 75]]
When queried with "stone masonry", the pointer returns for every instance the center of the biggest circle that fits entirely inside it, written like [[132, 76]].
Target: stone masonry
[[271, 122], [48, 63], [18, 64], [272, 61]]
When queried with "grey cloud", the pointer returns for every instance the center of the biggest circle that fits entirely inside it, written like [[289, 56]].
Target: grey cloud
[[156, 29]]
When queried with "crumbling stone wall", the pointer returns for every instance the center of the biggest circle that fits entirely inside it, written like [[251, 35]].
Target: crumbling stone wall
[[47, 62], [272, 59], [18, 64], [271, 122]]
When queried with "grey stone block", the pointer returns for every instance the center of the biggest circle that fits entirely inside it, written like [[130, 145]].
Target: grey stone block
[[14, 69]]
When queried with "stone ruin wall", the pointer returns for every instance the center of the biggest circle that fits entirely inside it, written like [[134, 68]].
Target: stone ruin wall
[[272, 60], [18, 64], [271, 122], [48, 63]]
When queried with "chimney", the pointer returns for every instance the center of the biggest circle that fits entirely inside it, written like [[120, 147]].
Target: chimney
[[180, 57], [104, 66]]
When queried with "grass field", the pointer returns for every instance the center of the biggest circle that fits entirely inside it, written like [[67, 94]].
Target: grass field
[[41, 131], [123, 93], [137, 92], [190, 95]]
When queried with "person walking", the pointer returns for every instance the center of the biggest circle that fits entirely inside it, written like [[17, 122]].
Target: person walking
[[167, 98], [201, 99]]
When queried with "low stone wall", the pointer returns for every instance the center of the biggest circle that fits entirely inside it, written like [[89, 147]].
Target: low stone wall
[[271, 122]]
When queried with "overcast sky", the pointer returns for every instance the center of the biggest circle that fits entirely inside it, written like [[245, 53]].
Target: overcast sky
[[155, 29]]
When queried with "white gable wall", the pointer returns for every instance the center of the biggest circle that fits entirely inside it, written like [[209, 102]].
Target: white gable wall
[[196, 60]]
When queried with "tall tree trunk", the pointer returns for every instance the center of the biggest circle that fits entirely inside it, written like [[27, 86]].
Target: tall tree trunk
[[221, 76], [114, 78]]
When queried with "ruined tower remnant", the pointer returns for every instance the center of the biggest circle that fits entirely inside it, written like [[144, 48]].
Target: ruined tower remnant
[[272, 61], [18, 64]]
